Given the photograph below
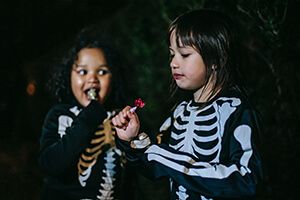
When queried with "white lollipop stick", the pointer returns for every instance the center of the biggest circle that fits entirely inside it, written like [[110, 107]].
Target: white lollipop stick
[[133, 109]]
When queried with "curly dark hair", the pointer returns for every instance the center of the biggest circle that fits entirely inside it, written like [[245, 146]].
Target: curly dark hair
[[59, 84]]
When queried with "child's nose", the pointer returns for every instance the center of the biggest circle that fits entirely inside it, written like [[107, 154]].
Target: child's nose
[[93, 78], [173, 63]]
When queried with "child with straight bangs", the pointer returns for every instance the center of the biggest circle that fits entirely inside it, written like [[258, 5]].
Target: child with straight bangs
[[208, 146], [77, 147]]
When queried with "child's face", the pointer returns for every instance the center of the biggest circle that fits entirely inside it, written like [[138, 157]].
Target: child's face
[[187, 66], [90, 70]]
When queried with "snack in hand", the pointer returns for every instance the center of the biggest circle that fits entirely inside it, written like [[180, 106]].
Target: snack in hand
[[138, 104]]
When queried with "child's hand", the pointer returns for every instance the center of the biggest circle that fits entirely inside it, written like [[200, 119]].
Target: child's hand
[[127, 124]]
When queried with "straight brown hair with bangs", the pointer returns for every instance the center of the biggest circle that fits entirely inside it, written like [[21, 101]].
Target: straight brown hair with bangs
[[212, 34]]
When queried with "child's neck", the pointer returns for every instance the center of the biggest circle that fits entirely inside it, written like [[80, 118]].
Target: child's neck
[[204, 94], [201, 95]]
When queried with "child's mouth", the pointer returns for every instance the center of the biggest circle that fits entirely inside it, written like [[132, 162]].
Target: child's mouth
[[177, 76], [92, 93]]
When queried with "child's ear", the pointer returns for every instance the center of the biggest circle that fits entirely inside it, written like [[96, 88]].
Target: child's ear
[[214, 67]]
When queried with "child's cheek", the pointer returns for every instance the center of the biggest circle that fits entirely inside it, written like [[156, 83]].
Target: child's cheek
[[105, 89]]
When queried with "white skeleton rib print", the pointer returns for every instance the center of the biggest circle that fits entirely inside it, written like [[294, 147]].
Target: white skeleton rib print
[[197, 135], [194, 129], [103, 136]]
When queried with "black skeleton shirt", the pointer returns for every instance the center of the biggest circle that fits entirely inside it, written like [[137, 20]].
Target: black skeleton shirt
[[211, 150], [78, 153]]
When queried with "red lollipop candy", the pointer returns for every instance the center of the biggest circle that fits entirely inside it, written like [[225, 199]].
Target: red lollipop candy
[[138, 103]]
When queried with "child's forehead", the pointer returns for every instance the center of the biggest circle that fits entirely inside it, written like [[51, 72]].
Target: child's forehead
[[183, 38], [78, 65]]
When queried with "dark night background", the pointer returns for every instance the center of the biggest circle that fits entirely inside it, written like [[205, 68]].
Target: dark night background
[[34, 31]]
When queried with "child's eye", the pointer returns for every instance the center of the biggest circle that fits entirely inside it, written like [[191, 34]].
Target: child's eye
[[82, 72], [185, 55], [171, 55], [103, 71]]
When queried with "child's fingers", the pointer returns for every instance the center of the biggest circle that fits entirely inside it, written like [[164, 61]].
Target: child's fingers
[[126, 108], [115, 121], [130, 115], [133, 118], [118, 122], [124, 117], [126, 124], [124, 111]]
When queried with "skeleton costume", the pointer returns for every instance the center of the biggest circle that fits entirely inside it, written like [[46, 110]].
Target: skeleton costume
[[78, 153], [210, 151]]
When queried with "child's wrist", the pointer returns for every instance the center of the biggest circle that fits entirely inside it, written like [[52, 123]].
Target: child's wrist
[[141, 141], [127, 139]]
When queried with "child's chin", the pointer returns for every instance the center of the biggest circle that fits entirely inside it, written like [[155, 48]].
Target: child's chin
[[84, 102]]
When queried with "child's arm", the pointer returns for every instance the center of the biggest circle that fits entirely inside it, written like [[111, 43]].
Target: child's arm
[[65, 136], [235, 176], [127, 124], [227, 178]]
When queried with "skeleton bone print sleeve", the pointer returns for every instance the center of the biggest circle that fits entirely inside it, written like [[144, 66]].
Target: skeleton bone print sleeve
[[66, 132], [78, 153], [211, 153]]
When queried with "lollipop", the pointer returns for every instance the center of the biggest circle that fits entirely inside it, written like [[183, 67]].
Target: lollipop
[[138, 103], [92, 94]]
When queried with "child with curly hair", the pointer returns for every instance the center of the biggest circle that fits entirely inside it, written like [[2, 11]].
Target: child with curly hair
[[77, 147]]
